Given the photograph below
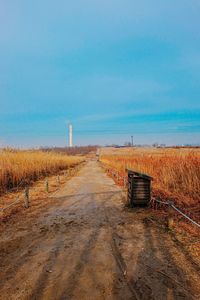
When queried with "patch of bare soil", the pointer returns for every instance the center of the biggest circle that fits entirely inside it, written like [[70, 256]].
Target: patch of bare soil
[[83, 244]]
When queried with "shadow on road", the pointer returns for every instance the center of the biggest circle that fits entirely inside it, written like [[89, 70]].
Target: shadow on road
[[87, 195], [157, 275]]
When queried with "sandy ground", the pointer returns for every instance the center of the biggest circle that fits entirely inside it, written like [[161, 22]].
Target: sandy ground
[[83, 244]]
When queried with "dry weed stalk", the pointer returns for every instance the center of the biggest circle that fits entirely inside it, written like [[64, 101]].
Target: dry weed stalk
[[22, 167], [173, 171]]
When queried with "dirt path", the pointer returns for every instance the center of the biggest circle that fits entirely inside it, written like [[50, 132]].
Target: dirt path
[[85, 245]]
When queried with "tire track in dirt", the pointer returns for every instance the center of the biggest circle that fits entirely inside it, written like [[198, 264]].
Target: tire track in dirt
[[87, 246], [140, 288], [122, 268]]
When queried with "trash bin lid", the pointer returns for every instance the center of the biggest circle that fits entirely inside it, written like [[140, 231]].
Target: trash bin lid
[[142, 175]]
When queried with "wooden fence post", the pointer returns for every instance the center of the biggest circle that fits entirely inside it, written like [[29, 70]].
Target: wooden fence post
[[47, 186], [26, 197], [58, 178]]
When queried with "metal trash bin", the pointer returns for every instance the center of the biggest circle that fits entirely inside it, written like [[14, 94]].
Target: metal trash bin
[[139, 188]]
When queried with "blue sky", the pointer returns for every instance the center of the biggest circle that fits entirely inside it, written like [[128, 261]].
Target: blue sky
[[112, 68]]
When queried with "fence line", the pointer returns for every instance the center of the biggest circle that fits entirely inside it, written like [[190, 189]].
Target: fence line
[[169, 203], [9, 191], [13, 203], [184, 215], [26, 190], [23, 181]]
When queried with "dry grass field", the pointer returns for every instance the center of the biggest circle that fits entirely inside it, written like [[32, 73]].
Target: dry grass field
[[18, 168], [80, 242], [175, 171], [176, 177]]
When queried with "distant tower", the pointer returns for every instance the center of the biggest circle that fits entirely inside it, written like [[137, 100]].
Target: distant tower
[[70, 135], [132, 141]]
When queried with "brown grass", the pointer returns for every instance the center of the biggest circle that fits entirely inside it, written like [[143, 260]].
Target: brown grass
[[176, 174], [175, 171], [18, 168]]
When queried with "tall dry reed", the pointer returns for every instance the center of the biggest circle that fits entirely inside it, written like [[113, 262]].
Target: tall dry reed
[[172, 172], [21, 167]]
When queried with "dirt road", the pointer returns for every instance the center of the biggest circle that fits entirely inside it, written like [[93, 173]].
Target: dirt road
[[85, 245]]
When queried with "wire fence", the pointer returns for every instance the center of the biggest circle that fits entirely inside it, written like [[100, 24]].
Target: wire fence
[[27, 189], [16, 188], [122, 178], [171, 204], [116, 175], [13, 203]]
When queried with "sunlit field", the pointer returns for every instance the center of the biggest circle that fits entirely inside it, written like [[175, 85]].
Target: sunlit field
[[18, 168], [175, 171]]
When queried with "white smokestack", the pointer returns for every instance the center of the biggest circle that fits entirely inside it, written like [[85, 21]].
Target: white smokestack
[[70, 136]]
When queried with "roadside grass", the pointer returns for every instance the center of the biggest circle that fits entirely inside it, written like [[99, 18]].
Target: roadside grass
[[18, 168], [176, 177], [175, 171]]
